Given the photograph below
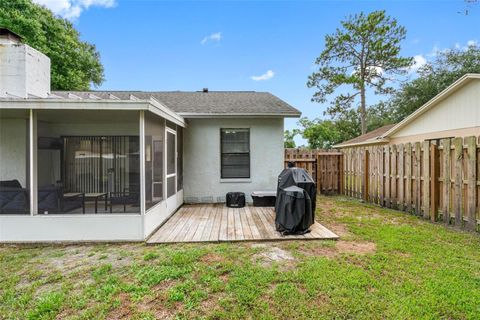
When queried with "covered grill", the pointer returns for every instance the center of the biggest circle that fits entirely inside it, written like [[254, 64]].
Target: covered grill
[[296, 200]]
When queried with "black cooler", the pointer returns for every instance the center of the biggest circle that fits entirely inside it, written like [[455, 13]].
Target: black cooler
[[235, 199], [296, 200], [264, 198]]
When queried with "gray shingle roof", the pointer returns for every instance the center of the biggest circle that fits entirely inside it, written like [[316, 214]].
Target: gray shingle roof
[[212, 102], [371, 136]]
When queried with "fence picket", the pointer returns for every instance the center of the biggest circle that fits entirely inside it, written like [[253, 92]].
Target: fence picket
[[446, 181], [426, 180], [457, 199], [401, 178], [471, 143], [408, 181]]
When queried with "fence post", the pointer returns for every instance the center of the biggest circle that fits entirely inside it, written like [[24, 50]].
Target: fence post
[[434, 175], [472, 182], [426, 179], [447, 184], [458, 194], [319, 174], [365, 175]]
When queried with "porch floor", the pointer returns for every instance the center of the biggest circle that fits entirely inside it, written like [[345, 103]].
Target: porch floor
[[217, 223]]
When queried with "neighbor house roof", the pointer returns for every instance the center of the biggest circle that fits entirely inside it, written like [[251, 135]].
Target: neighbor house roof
[[382, 135], [200, 104], [367, 138]]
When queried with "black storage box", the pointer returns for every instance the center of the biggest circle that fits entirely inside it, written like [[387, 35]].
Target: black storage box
[[235, 199], [264, 198]]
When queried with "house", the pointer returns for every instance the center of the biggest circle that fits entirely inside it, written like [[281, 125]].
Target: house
[[115, 165], [455, 112]]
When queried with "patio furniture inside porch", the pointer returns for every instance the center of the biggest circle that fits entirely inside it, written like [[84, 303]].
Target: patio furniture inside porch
[[217, 223]]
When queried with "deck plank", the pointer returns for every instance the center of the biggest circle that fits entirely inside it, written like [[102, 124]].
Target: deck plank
[[215, 232], [202, 223], [190, 226], [247, 233], [216, 222], [253, 226], [238, 225], [170, 226], [223, 235], [230, 224]]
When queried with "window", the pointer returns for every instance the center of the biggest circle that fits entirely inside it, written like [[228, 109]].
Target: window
[[235, 153]]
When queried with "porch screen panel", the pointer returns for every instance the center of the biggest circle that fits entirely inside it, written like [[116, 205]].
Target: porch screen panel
[[154, 159], [179, 158], [100, 164]]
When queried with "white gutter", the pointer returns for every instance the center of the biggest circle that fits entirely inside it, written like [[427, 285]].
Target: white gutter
[[376, 141], [236, 115]]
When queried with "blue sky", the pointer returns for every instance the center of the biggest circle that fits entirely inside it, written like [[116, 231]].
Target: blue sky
[[189, 45]]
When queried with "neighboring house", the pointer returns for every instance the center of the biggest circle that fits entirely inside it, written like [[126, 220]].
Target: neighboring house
[[455, 112], [115, 165]]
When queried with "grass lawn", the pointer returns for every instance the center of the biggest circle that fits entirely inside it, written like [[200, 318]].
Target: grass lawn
[[386, 265]]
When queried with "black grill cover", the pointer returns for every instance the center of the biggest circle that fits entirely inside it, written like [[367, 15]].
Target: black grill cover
[[296, 200]]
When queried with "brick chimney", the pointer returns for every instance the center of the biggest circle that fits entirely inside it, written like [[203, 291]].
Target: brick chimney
[[24, 71]]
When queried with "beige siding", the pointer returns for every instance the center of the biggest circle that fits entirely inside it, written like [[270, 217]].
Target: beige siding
[[460, 110], [464, 132]]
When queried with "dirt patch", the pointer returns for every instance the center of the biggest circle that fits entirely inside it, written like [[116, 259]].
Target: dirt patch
[[356, 247], [273, 254], [211, 258], [73, 258], [350, 247], [337, 228], [156, 304], [124, 310]]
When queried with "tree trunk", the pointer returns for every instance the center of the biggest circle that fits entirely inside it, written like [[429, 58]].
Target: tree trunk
[[363, 115]]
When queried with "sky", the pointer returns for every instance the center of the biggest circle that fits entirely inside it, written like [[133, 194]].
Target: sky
[[246, 45]]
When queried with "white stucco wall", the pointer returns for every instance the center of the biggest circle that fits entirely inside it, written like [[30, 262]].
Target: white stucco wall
[[202, 180], [23, 71], [88, 227], [458, 111], [13, 150]]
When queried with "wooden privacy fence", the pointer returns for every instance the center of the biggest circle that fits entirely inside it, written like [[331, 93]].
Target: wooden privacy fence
[[325, 167], [438, 180]]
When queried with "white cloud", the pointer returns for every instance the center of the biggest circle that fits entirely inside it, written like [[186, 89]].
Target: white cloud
[[418, 62], [72, 9], [214, 37], [471, 43], [266, 76]]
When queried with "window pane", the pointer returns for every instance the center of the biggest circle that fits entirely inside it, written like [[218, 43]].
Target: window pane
[[170, 153], [235, 140], [236, 165], [235, 145]]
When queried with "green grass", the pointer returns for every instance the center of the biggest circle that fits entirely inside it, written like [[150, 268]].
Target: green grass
[[388, 265]]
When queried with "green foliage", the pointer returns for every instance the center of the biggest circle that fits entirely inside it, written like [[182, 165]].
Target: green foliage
[[435, 76], [289, 137], [363, 54], [320, 134], [323, 134], [75, 64]]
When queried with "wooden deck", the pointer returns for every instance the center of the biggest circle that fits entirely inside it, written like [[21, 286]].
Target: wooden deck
[[216, 223]]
